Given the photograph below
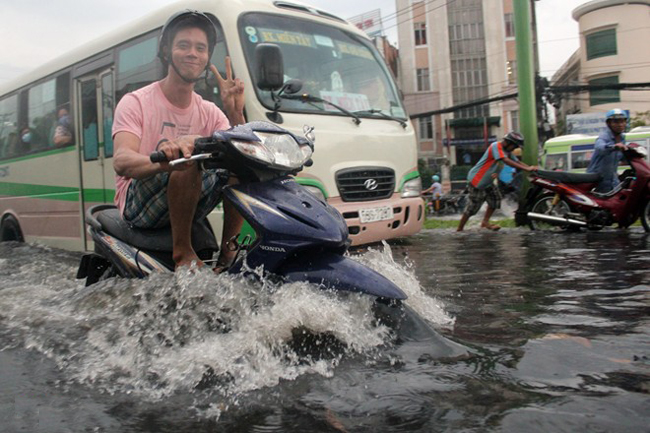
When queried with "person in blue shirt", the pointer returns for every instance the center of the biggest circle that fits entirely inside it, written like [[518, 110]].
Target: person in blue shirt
[[606, 155], [436, 192]]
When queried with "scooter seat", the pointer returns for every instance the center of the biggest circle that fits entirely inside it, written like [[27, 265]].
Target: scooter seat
[[566, 177], [156, 240]]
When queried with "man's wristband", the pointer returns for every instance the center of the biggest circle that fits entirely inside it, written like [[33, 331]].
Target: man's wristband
[[164, 140]]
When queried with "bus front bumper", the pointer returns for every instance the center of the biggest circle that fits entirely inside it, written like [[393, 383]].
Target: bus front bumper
[[370, 221]]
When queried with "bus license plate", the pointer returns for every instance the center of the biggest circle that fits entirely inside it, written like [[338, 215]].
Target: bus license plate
[[375, 214]]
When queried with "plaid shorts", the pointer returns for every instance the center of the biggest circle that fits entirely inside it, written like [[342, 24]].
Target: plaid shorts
[[146, 199], [476, 197]]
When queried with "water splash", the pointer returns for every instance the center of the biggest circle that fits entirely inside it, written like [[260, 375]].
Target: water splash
[[381, 260], [192, 331]]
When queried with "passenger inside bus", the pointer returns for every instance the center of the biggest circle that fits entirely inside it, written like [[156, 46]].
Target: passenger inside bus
[[63, 131], [10, 147], [25, 141]]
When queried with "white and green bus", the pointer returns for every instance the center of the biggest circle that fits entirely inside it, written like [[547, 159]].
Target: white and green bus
[[573, 152], [364, 165]]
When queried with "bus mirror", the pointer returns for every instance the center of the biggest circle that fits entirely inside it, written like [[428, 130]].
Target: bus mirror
[[291, 87], [270, 69]]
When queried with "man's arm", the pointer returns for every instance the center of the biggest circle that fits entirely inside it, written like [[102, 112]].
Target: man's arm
[[519, 165], [129, 162], [602, 144]]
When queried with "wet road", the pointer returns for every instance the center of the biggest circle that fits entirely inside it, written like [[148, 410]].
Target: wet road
[[546, 332]]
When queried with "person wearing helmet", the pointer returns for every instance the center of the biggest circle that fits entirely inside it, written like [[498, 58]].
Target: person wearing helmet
[[436, 192], [606, 156], [481, 186], [168, 115]]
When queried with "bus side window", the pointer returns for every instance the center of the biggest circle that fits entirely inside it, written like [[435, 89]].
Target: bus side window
[[41, 117], [46, 120], [137, 64], [63, 130], [107, 113], [556, 161], [580, 159], [8, 126]]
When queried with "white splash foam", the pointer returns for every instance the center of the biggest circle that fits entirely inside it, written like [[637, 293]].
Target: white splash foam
[[174, 333]]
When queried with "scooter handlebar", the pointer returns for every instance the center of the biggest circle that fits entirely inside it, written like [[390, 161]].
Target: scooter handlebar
[[158, 156]]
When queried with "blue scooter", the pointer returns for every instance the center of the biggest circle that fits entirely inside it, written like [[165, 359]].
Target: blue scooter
[[299, 237]]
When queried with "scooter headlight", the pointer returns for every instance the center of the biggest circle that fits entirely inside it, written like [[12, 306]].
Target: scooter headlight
[[276, 150]]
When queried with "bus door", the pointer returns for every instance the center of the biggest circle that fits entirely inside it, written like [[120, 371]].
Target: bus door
[[95, 104]]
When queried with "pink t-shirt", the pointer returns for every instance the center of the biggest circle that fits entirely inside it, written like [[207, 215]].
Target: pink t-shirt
[[148, 114]]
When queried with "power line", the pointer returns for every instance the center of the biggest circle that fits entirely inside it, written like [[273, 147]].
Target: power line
[[589, 87], [556, 89], [465, 105]]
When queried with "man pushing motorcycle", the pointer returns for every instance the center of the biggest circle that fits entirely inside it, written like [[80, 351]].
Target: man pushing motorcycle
[[168, 116], [608, 150], [481, 186]]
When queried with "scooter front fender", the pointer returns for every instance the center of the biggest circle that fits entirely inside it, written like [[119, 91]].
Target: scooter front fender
[[335, 272]]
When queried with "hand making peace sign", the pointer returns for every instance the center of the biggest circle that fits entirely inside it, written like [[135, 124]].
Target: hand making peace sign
[[232, 93]]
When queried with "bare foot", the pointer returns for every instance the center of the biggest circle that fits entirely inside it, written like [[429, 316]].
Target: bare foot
[[188, 260], [492, 227], [220, 269], [223, 263]]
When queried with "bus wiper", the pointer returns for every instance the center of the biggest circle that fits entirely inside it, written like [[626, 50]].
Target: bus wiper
[[382, 114], [307, 98]]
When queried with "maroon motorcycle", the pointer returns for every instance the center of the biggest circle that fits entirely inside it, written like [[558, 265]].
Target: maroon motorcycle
[[562, 200]]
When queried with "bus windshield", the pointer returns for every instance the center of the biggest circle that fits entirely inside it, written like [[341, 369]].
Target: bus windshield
[[332, 64]]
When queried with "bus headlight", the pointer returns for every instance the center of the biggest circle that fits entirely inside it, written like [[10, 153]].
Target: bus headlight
[[412, 188]]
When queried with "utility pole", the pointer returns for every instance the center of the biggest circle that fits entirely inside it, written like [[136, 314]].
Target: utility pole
[[526, 88]]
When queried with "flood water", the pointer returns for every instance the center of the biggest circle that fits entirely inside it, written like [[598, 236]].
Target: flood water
[[534, 332]]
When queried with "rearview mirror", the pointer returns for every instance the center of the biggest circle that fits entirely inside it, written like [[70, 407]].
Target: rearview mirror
[[270, 69]]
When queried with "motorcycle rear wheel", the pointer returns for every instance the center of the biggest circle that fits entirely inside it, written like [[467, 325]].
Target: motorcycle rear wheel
[[645, 216], [544, 205]]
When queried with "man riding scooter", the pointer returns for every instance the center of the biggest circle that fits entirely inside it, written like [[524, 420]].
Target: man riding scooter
[[167, 116], [608, 150]]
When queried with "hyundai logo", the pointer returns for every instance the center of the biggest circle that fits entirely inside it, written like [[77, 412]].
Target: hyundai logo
[[371, 184]]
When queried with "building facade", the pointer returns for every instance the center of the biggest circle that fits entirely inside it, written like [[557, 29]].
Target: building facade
[[614, 37], [451, 55]]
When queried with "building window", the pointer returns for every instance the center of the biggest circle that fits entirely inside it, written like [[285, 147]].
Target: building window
[[423, 80], [511, 68], [604, 96], [420, 33], [601, 44], [514, 119], [426, 128], [468, 58], [510, 26]]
